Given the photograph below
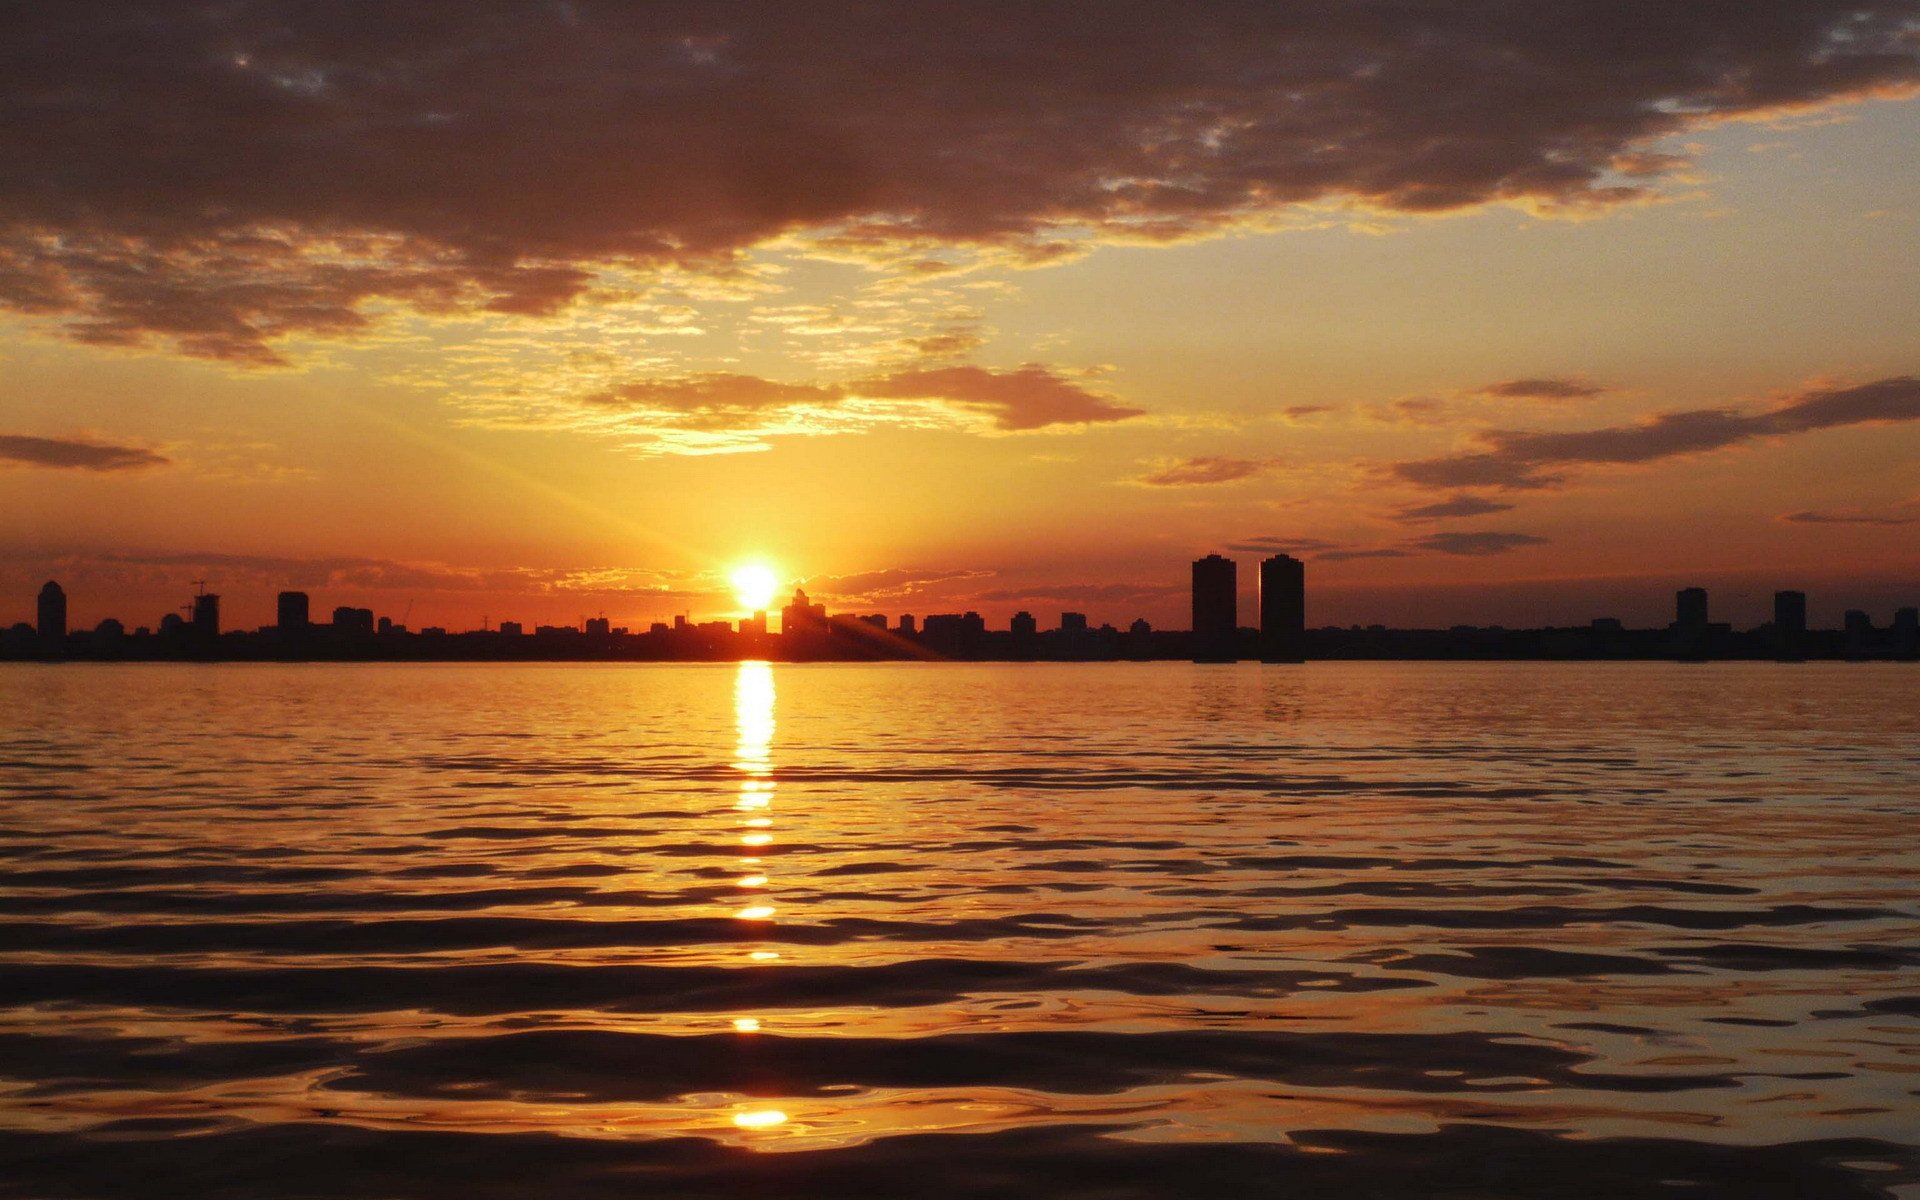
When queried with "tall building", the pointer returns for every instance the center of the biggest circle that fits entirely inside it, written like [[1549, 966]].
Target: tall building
[[1216, 612], [1283, 609], [293, 613], [52, 614], [1024, 626], [1790, 613], [599, 626], [1690, 608], [206, 615], [1073, 622], [801, 614]]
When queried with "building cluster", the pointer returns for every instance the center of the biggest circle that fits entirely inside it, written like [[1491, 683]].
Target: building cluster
[[808, 632]]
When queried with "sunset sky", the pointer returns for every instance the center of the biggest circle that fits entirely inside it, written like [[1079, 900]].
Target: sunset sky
[[1493, 312]]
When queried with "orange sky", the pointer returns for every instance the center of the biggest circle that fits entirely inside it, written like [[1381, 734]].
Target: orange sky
[[1493, 317]]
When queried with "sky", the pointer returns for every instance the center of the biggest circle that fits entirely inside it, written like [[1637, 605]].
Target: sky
[[1493, 312]]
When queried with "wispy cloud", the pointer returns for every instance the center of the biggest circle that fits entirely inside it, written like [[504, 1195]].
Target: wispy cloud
[[75, 454], [1454, 506], [1206, 470], [717, 412], [1811, 517], [1543, 389], [1524, 459]]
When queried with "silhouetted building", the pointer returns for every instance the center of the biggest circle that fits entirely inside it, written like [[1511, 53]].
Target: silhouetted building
[[802, 619], [51, 624], [386, 626], [1906, 633], [512, 629], [1216, 611], [1859, 633], [599, 626], [1283, 609], [1789, 631], [1073, 622], [353, 622], [206, 615], [1690, 608], [1023, 626], [292, 613], [755, 625], [1790, 613], [907, 625]]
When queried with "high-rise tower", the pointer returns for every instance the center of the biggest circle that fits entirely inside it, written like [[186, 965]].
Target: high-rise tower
[[1216, 613], [1283, 609]]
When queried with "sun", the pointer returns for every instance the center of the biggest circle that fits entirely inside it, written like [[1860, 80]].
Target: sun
[[754, 585]]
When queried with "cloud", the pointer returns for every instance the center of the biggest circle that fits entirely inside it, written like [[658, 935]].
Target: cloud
[[1543, 389], [75, 454], [1206, 470], [1281, 545], [1412, 410], [220, 177], [1456, 506], [887, 584], [1296, 414], [1845, 518], [1344, 555], [1476, 545], [1521, 459], [720, 411]]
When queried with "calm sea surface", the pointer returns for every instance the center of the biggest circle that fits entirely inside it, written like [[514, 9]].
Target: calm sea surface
[[898, 930]]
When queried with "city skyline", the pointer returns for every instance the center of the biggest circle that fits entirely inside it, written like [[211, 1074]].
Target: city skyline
[[1079, 305], [803, 629]]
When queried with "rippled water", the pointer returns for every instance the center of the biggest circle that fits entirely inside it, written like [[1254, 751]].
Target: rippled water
[[1103, 930]]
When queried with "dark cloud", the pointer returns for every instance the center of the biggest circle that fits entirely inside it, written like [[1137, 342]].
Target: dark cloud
[[1456, 506], [1476, 545], [75, 454], [1281, 545], [1519, 459], [1344, 555], [218, 176], [1834, 518], [1031, 397], [1544, 389], [1205, 470], [889, 583]]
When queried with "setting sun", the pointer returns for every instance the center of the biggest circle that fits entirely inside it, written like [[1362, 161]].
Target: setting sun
[[754, 585]]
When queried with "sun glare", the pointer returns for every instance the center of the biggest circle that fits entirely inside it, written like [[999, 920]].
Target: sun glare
[[754, 585]]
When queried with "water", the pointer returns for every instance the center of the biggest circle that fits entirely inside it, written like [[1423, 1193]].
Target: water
[[1106, 930]]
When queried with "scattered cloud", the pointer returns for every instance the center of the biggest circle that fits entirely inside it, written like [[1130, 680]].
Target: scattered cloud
[[890, 583], [1522, 459], [1412, 410], [1845, 518], [1300, 414], [220, 178], [1344, 555], [1281, 545], [76, 454], [1543, 389], [1205, 471], [1455, 506], [1476, 545], [719, 411]]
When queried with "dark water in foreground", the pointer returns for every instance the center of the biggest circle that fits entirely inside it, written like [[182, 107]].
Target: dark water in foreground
[[1385, 930]]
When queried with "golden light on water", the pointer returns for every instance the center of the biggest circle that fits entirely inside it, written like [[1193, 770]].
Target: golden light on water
[[760, 1118]]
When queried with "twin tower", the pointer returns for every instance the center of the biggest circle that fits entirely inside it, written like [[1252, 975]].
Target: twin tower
[[1216, 610]]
